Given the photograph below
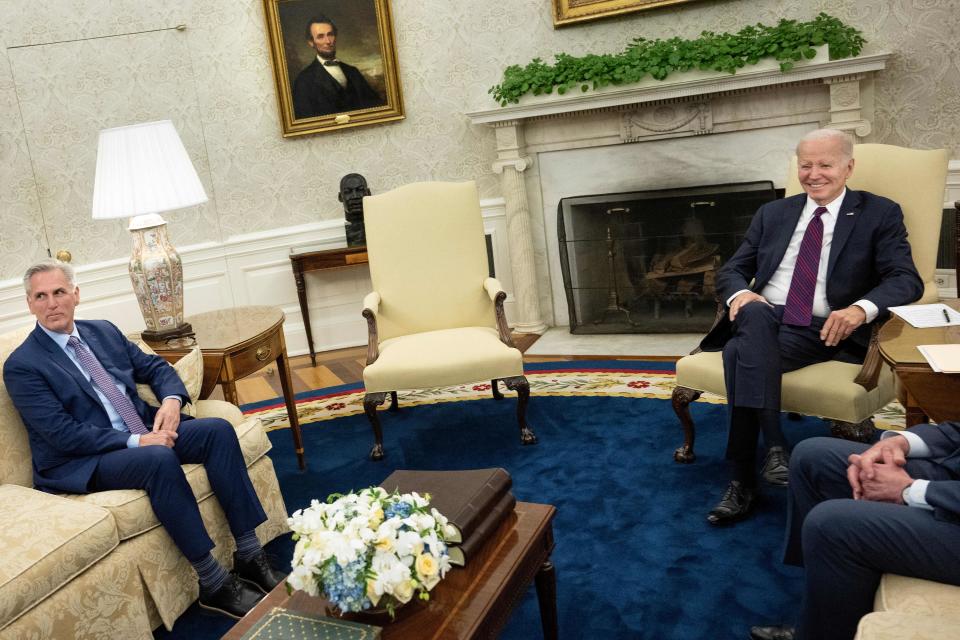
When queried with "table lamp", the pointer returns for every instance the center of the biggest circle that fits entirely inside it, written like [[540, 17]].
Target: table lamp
[[143, 170]]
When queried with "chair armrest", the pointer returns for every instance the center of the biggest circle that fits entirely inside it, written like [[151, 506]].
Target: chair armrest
[[498, 295], [721, 311], [371, 306], [870, 371]]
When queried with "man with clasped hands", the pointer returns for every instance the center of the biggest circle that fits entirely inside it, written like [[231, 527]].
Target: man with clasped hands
[[75, 386], [813, 271], [856, 513]]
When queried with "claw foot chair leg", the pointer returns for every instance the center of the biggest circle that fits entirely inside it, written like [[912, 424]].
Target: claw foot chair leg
[[682, 397], [858, 432], [497, 394], [370, 403], [394, 403], [522, 387]]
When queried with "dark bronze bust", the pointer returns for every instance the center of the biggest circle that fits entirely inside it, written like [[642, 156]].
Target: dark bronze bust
[[353, 187]]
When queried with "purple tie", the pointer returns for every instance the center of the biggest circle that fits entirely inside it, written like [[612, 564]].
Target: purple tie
[[105, 383], [798, 309]]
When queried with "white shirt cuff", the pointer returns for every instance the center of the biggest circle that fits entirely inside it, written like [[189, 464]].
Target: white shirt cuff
[[133, 441], [918, 448], [730, 299], [917, 495], [177, 398], [868, 308]]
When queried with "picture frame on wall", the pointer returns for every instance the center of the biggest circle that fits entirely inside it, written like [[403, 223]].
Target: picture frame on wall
[[334, 63], [567, 12]]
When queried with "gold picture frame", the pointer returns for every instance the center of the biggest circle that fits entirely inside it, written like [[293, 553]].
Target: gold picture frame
[[358, 86], [567, 12]]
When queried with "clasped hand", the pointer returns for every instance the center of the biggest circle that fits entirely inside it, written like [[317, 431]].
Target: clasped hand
[[165, 425], [877, 474]]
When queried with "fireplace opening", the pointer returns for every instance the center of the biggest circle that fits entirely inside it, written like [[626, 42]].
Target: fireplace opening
[[646, 261]]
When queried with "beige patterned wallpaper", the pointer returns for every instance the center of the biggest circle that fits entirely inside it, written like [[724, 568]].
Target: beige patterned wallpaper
[[72, 67]]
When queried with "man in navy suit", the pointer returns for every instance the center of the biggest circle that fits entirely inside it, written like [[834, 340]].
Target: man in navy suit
[[74, 384], [856, 513], [813, 271], [328, 85]]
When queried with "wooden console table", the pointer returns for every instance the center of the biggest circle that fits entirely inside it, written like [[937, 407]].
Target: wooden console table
[[471, 602], [235, 343], [319, 261], [924, 393]]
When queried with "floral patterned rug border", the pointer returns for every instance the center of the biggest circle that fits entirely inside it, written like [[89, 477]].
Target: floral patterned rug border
[[622, 383]]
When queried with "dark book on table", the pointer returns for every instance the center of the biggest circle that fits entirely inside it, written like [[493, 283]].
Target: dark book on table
[[284, 623], [464, 497], [461, 553]]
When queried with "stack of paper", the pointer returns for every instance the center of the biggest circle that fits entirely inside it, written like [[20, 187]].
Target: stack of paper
[[942, 358], [924, 316]]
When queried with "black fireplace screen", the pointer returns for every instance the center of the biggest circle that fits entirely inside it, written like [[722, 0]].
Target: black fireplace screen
[[646, 261]]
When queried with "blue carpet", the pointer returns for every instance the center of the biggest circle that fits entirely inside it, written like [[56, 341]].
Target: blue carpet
[[635, 557]]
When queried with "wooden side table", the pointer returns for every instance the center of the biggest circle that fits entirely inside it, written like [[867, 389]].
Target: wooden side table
[[319, 261], [235, 343], [924, 393]]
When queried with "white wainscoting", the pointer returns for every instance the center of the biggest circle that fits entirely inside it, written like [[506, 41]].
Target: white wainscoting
[[255, 269]]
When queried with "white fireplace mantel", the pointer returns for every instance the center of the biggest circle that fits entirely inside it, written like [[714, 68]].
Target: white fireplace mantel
[[815, 93]]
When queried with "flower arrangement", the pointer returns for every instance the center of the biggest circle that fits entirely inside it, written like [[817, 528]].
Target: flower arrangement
[[369, 549]]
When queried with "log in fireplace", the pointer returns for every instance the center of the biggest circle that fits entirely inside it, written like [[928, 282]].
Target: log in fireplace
[[646, 261]]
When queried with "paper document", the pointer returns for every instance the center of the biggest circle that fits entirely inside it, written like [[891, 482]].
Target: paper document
[[942, 358], [924, 316]]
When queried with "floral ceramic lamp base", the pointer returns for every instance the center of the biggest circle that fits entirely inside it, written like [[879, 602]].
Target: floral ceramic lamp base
[[157, 277]]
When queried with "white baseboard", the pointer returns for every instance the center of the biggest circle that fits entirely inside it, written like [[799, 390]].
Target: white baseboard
[[254, 269]]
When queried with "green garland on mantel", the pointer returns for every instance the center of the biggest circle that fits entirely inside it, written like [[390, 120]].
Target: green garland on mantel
[[788, 42]]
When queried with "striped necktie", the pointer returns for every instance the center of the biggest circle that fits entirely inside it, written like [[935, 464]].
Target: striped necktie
[[100, 377], [798, 310]]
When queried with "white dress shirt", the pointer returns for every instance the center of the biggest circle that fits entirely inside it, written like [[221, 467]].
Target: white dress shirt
[[115, 420], [335, 72], [776, 290]]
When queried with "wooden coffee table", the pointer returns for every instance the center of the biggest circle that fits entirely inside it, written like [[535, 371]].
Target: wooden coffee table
[[924, 393], [471, 602]]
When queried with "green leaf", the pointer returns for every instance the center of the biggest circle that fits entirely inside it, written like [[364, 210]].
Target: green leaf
[[786, 42]]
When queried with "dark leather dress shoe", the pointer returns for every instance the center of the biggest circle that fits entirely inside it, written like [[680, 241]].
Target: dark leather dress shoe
[[234, 598], [736, 504], [776, 466], [772, 633], [258, 572]]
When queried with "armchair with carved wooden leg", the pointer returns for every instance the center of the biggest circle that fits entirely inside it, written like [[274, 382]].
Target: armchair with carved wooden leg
[[435, 318], [845, 394]]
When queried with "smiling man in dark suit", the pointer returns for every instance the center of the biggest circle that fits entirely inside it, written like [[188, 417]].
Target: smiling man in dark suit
[[74, 384], [328, 85], [813, 271]]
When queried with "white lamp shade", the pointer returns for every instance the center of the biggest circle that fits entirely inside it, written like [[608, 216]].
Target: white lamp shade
[[143, 169]]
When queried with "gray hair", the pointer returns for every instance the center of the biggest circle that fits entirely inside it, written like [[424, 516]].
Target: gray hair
[[846, 142], [50, 265]]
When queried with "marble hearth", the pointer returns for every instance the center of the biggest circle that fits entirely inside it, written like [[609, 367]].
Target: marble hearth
[[698, 128]]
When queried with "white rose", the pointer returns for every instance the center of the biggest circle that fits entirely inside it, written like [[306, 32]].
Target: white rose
[[403, 591]]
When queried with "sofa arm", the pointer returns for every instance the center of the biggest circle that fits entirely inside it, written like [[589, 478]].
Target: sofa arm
[[219, 409]]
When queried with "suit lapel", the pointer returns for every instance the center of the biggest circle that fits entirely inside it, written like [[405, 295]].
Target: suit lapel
[[100, 352], [846, 219], [64, 362], [786, 226]]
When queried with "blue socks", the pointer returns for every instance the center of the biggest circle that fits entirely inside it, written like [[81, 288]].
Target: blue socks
[[248, 545], [211, 573]]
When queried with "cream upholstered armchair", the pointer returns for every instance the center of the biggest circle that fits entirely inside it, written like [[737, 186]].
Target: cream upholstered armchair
[[846, 394], [434, 317]]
